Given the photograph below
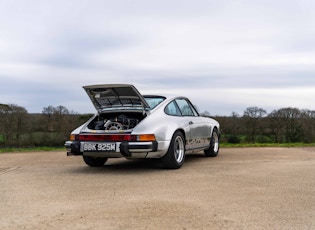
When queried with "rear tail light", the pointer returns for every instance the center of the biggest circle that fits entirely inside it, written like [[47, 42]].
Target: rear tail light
[[146, 137], [74, 137]]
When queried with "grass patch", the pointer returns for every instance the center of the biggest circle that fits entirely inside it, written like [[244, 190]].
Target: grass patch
[[31, 149], [227, 145], [222, 145]]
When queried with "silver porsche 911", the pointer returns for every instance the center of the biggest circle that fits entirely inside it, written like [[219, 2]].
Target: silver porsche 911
[[128, 124]]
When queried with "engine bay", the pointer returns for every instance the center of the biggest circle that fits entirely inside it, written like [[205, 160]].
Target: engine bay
[[115, 121]]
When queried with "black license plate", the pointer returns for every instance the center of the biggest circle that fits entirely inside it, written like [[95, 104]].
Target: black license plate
[[99, 147]]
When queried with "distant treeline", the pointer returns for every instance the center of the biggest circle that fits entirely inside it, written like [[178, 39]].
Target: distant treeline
[[52, 127], [286, 125]]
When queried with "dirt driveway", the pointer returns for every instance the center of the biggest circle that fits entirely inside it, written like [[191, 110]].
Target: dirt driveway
[[243, 188]]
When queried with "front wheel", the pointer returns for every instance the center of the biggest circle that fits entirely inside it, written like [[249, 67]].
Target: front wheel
[[214, 147], [175, 156], [94, 161]]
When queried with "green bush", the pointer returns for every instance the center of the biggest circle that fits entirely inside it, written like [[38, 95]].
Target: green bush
[[263, 139], [233, 139]]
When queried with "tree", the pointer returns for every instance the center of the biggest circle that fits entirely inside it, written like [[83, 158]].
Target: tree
[[5, 130], [235, 127], [276, 125], [57, 122], [54, 118], [286, 124], [251, 116], [12, 123], [308, 125]]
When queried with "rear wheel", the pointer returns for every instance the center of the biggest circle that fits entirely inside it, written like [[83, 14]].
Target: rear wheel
[[214, 147], [175, 156], [94, 161]]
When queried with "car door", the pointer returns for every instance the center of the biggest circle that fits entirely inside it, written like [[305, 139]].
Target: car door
[[198, 134]]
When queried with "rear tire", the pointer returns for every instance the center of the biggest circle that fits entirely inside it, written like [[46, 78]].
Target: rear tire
[[94, 161], [214, 147], [175, 156]]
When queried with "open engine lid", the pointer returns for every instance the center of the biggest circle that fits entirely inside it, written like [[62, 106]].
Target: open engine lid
[[115, 96]]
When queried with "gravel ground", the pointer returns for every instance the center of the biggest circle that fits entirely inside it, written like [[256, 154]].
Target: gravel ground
[[242, 188]]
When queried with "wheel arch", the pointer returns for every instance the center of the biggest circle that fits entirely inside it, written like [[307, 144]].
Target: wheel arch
[[183, 132], [218, 129]]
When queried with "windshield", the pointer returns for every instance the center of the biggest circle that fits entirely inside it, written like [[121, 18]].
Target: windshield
[[153, 101]]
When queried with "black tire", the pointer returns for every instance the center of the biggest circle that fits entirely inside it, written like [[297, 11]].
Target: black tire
[[214, 147], [175, 156], [94, 161]]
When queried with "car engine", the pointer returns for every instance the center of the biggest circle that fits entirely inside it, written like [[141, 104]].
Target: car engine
[[116, 123]]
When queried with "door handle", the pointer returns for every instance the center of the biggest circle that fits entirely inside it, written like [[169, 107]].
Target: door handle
[[190, 123]]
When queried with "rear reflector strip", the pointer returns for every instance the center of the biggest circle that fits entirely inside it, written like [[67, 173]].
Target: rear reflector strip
[[115, 137]]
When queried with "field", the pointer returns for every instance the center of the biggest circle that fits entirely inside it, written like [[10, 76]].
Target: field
[[243, 188]]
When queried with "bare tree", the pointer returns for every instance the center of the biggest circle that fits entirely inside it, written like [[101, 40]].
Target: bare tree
[[251, 116], [5, 123], [12, 123], [308, 125], [58, 123], [286, 124], [276, 126], [235, 126]]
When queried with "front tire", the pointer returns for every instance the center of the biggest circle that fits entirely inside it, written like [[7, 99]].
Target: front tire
[[214, 147], [175, 156], [94, 161]]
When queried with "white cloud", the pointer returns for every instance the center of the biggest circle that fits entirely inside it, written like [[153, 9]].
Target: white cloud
[[234, 52]]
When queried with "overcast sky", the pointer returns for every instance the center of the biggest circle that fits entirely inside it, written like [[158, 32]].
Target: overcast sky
[[224, 55]]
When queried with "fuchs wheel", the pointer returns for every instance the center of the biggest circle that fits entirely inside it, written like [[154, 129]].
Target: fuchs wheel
[[214, 147], [175, 156], [94, 161]]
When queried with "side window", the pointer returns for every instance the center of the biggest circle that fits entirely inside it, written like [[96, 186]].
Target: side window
[[185, 108], [172, 109], [153, 101]]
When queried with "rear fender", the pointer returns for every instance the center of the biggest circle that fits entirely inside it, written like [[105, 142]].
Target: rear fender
[[163, 128]]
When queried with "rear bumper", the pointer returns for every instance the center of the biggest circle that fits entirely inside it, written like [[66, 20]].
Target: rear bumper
[[128, 148], [124, 149], [73, 148]]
